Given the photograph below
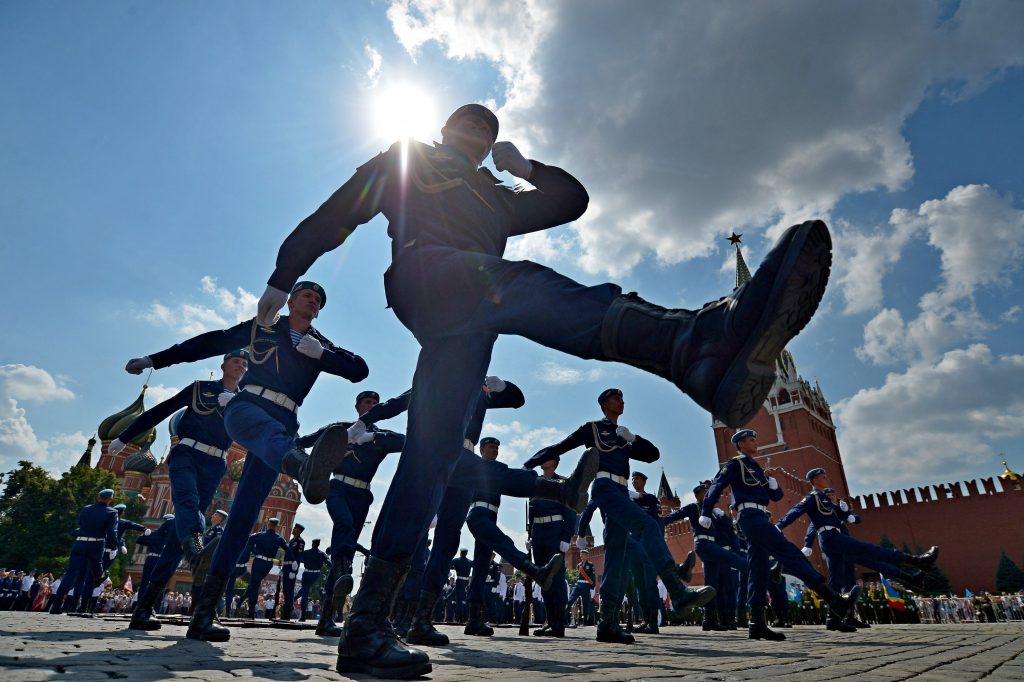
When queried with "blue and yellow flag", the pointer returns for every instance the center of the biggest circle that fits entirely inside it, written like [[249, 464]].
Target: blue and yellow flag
[[892, 595]]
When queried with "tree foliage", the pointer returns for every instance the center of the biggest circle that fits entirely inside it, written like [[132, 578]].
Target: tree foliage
[[1009, 576]]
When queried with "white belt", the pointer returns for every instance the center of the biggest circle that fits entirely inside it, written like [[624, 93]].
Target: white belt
[[265, 558], [311, 570], [354, 482], [82, 538], [548, 519], [203, 447], [825, 528], [484, 505], [462, 577], [751, 505], [621, 480], [704, 537], [273, 396], [468, 444]]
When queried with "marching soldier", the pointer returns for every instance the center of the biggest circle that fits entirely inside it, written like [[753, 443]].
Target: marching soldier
[[216, 526], [265, 546], [290, 570], [584, 588], [123, 525], [240, 568], [313, 560], [97, 528], [154, 544], [551, 526]]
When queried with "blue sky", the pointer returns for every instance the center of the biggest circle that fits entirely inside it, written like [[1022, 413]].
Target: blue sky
[[154, 157]]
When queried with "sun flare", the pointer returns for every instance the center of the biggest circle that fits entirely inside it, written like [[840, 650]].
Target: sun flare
[[404, 110]]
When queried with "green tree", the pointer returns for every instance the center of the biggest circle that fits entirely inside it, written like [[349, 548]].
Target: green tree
[[886, 542], [1009, 577]]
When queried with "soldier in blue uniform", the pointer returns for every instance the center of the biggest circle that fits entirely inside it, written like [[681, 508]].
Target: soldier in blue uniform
[[617, 445], [97, 528], [586, 579], [643, 575], [449, 222], [240, 568], [552, 525], [752, 489], [265, 546], [154, 544], [313, 560], [123, 526], [841, 550], [482, 522], [290, 570], [716, 559], [215, 527], [195, 466], [463, 567], [286, 355]]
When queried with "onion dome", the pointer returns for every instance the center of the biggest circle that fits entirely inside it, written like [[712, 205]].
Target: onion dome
[[172, 425], [111, 427], [142, 461], [235, 469]]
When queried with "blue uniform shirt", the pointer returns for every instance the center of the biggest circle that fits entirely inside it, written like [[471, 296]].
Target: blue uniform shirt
[[267, 543], [273, 362], [552, 531], [123, 526], [203, 420], [690, 512], [819, 507], [587, 573], [615, 451], [98, 521], [212, 532], [154, 542], [650, 504], [314, 559], [462, 565], [363, 460], [747, 480]]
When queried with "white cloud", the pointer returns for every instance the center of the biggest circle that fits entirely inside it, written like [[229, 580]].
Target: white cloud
[[25, 382], [18, 439], [159, 393], [799, 104], [554, 373], [1011, 314], [376, 64], [933, 421], [540, 247], [189, 319], [519, 442]]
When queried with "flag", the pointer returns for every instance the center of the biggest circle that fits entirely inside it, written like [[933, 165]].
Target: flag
[[127, 587], [894, 598], [968, 593], [794, 593]]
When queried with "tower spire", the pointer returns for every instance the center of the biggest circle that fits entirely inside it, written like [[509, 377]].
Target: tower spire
[[742, 271]]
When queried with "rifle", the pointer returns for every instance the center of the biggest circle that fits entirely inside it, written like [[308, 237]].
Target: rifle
[[524, 623]]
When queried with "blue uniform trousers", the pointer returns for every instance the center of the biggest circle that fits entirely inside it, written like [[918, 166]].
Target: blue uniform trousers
[[287, 589], [483, 524], [764, 540], [554, 598], [194, 479], [260, 569], [718, 562], [842, 552], [728, 578], [84, 567], [267, 441], [236, 573], [741, 586], [581, 590], [622, 518], [456, 303], [780, 599], [147, 571], [645, 578], [309, 578], [418, 566], [456, 611], [348, 506]]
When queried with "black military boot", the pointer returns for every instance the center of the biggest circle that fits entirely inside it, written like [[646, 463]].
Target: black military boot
[[56, 605], [853, 621], [711, 623], [727, 619], [758, 629], [723, 356], [650, 622], [368, 644], [325, 626], [572, 492], [834, 624], [686, 568], [476, 625], [922, 561], [839, 605], [191, 548], [684, 597], [775, 573], [546, 574], [608, 627], [422, 630], [142, 615], [343, 584], [313, 471], [204, 623]]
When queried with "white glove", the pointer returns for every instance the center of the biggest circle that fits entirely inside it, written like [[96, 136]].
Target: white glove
[[704, 521], [357, 429], [634, 495], [295, 565], [115, 446], [581, 543], [136, 365], [147, 531], [224, 398], [563, 547], [111, 553], [843, 506], [851, 519], [307, 345], [772, 483], [625, 434], [365, 438], [807, 552], [124, 550], [494, 384], [718, 512], [507, 157], [270, 303]]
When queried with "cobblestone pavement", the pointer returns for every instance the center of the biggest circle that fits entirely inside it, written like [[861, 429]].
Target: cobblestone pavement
[[37, 646]]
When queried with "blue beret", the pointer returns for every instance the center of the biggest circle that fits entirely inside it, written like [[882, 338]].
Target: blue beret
[[640, 474], [368, 394], [274, 519], [106, 492], [816, 471], [608, 393], [121, 507], [240, 353], [743, 433], [477, 110], [299, 526], [168, 517], [489, 440], [312, 286], [700, 488]]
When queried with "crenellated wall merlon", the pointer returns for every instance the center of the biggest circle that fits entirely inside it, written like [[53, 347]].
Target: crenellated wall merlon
[[940, 492]]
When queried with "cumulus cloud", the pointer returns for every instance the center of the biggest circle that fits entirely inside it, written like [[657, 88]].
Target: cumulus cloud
[[25, 382], [932, 419], [707, 117], [376, 64], [519, 442], [18, 439], [560, 375], [224, 308]]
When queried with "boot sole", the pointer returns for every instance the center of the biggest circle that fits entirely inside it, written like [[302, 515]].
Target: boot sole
[[581, 478], [328, 452], [342, 588], [796, 293], [407, 672], [419, 641], [702, 599], [203, 562], [143, 628]]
